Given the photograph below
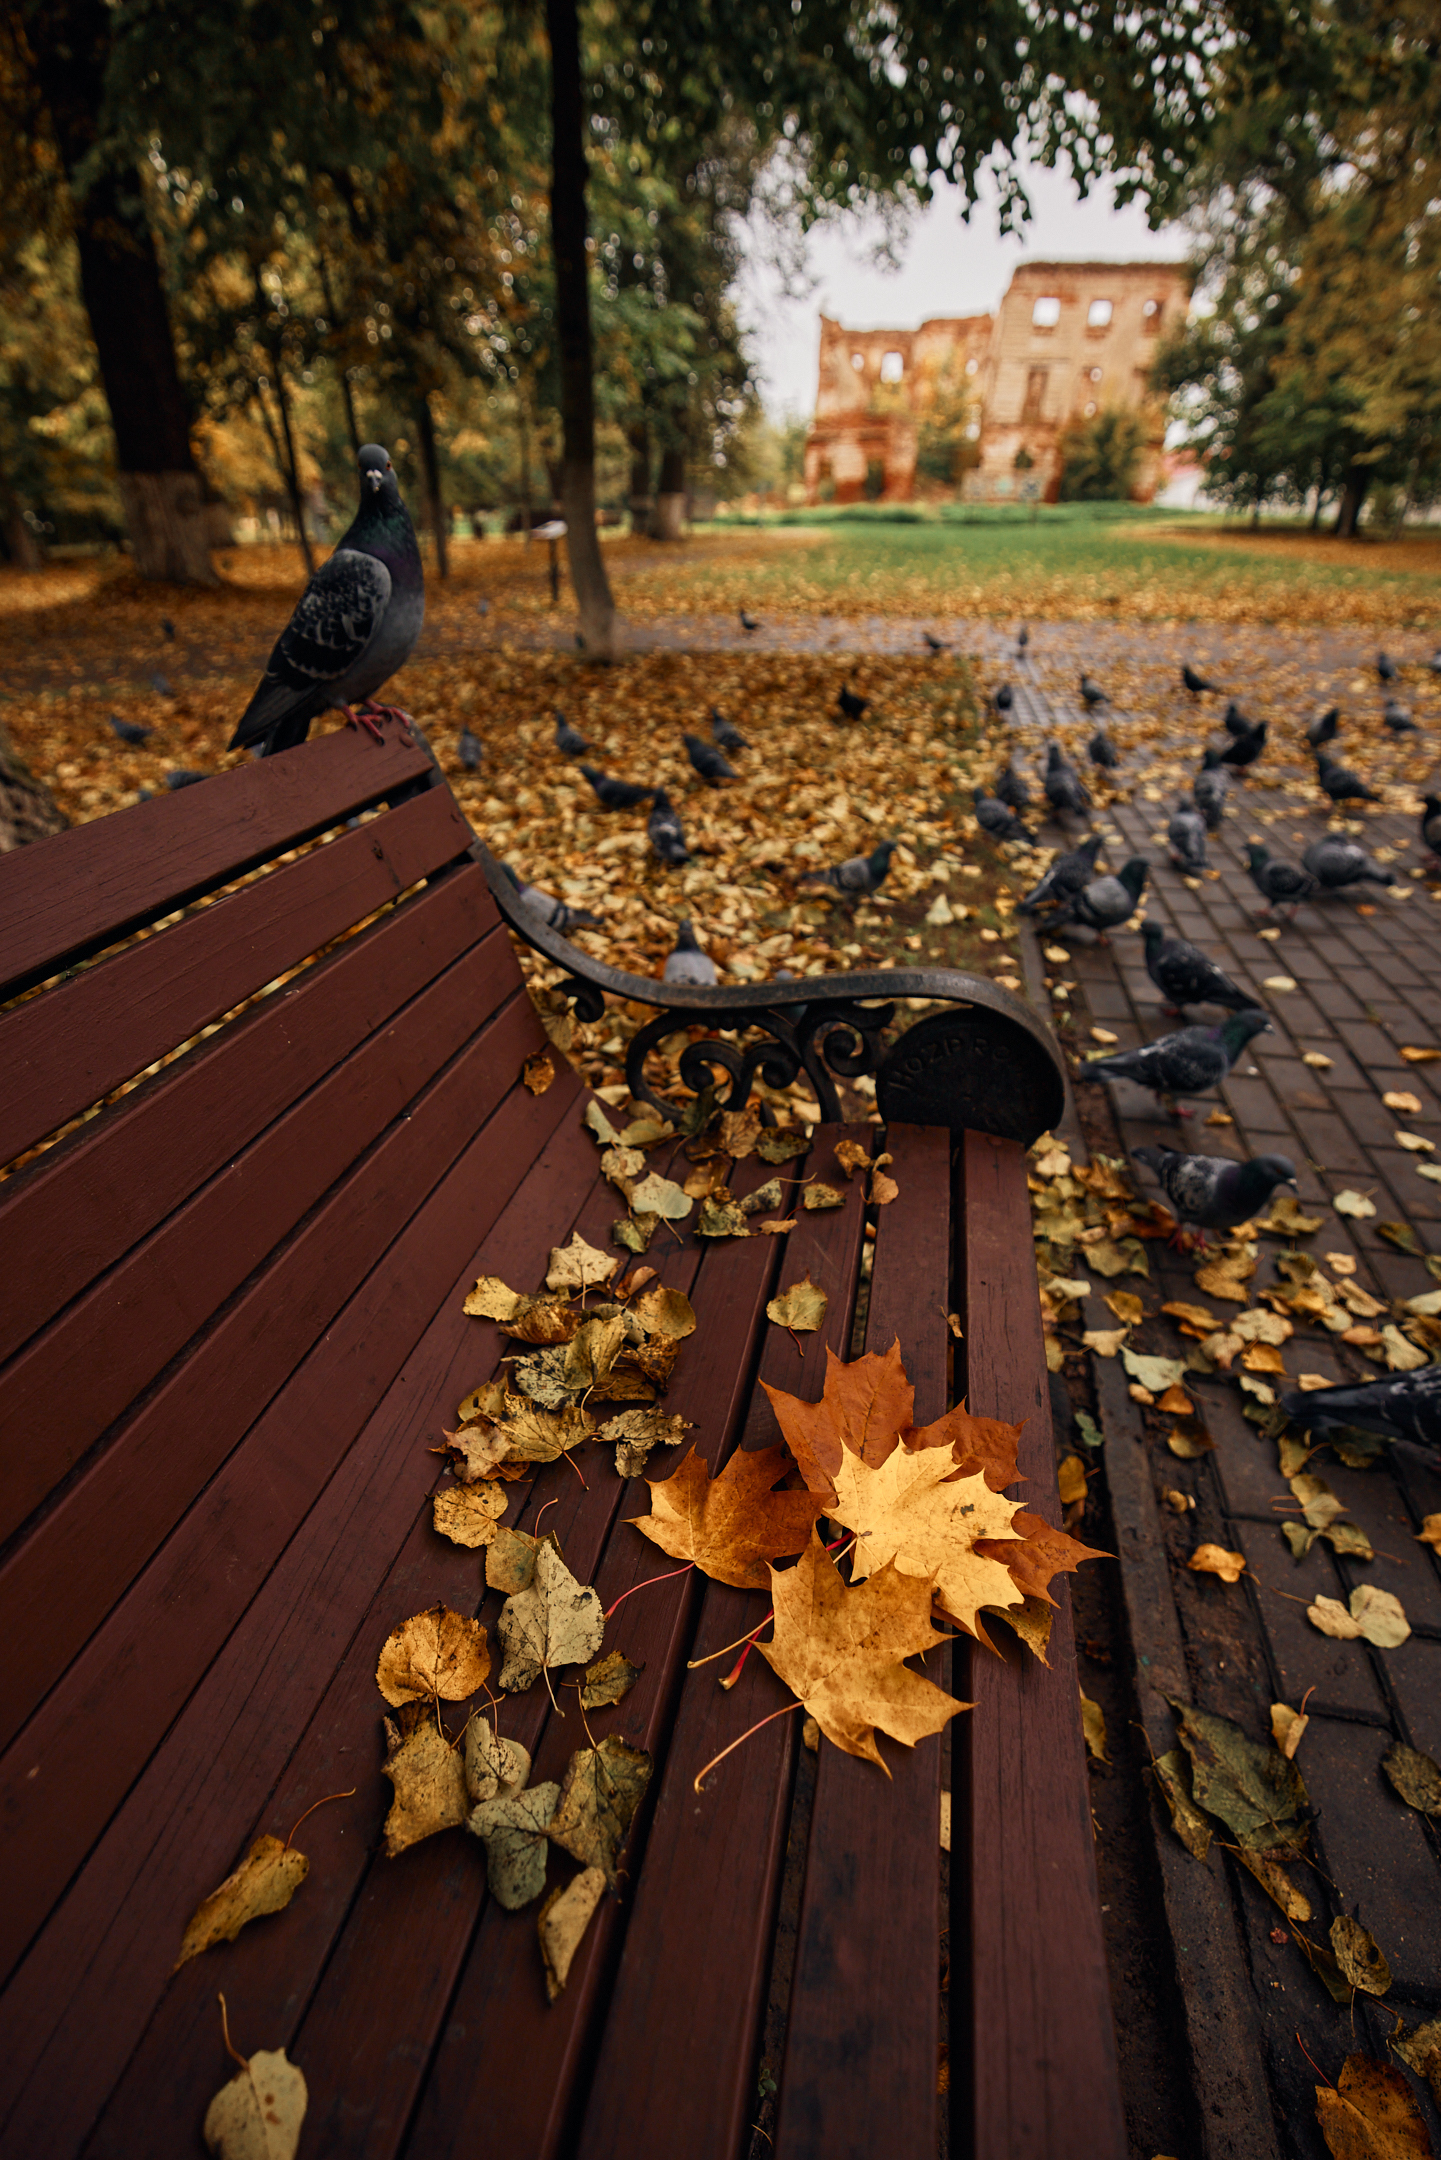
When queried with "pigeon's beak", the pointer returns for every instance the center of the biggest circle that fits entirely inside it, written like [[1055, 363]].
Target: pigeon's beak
[[375, 479]]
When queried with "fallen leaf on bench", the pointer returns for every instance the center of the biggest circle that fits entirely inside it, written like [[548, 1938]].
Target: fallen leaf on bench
[[467, 1514], [1276, 1883], [915, 1512], [1093, 1725], [1374, 1613], [635, 1232], [562, 1922], [1040, 1553], [265, 1882], [1255, 1791], [646, 1130], [720, 1216], [556, 1621], [822, 1196], [537, 1072], [865, 1406], [764, 1196], [730, 1525], [438, 1655], [636, 1432], [259, 2114], [602, 1789], [841, 1652], [1415, 1776], [542, 1321], [577, 1265], [493, 1767], [608, 1681], [655, 1195], [1190, 1825], [595, 1121], [802, 1307], [663, 1311], [1358, 1954], [491, 1299], [510, 1561], [428, 1774], [527, 1433], [488, 1400], [1216, 1560], [852, 1155], [739, 1131], [513, 1828], [884, 1188], [780, 1147], [1030, 1621], [1370, 2114], [621, 1166]]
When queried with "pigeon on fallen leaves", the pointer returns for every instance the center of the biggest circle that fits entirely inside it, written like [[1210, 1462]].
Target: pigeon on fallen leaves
[[860, 874], [1335, 862], [749, 622], [725, 732], [1323, 730], [849, 705], [1065, 789], [1011, 789], [568, 740], [1102, 751], [1197, 683], [688, 964], [1280, 883], [1212, 1192], [1185, 975], [470, 750], [1209, 789], [708, 761], [1092, 692], [1386, 668], [182, 778], [1431, 825], [616, 794], [1396, 718], [552, 912], [934, 644], [993, 817], [1064, 879], [1104, 903], [130, 731], [1246, 749], [1340, 783], [1405, 1407], [667, 834], [1186, 1063], [1187, 836], [1235, 722], [167, 626], [354, 625]]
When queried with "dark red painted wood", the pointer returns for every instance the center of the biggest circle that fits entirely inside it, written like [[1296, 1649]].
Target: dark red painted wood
[[1033, 2045], [64, 1390], [81, 890], [62, 1052], [862, 2054], [76, 1210], [689, 1990], [95, 1732], [286, 1713]]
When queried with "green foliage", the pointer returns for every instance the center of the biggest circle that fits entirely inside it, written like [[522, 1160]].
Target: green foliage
[[1099, 456]]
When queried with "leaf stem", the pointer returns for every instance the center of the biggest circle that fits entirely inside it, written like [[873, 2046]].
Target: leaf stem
[[784, 1711], [230, 2049], [320, 1803], [669, 1576]]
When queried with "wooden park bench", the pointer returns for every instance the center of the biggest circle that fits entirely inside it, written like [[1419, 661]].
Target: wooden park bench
[[261, 1046]]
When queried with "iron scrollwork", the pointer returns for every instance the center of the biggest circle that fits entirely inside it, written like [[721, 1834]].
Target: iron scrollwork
[[828, 1036]]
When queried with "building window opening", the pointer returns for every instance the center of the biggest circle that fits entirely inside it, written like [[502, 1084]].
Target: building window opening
[[1151, 317], [1093, 374], [1046, 313], [1090, 408], [1098, 315], [858, 361], [972, 365], [893, 366], [1035, 394]]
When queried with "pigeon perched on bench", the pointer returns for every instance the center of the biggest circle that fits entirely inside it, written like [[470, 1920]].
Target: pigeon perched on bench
[[1210, 788], [1405, 1407], [1336, 862], [1064, 879], [725, 732], [708, 761], [1102, 751], [130, 731], [1187, 836], [849, 705], [1189, 1062], [688, 964], [1197, 683], [859, 874], [1066, 791], [616, 794], [552, 912], [354, 625], [666, 833], [568, 740], [470, 750], [1104, 903], [1396, 718], [993, 817], [1210, 1192], [1340, 783], [1245, 749], [1185, 975], [1279, 883], [1323, 729], [1011, 788]]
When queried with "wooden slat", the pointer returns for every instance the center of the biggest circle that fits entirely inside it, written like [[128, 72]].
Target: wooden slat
[[287, 1713], [78, 1208], [62, 1778], [65, 1388], [64, 1051], [80, 890], [1033, 2061], [697, 1948], [862, 2055]]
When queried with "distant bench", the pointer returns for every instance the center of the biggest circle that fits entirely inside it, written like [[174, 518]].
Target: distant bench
[[231, 1330]]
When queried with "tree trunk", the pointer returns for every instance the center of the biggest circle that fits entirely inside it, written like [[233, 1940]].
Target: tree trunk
[[637, 436], [347, 395], [670, 497], [292, 469], [430, 466], [28, 811], [124, 295], [21, 544], [1353, 495], [572, 321]]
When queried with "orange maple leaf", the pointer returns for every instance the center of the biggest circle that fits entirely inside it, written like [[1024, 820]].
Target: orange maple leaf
[[864, 1407], [979, 1444], [1042, 1553], [732, 1524], [841, 1649]]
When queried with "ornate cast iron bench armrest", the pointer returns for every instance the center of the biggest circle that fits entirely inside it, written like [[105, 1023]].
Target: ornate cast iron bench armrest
[[984, 1065]]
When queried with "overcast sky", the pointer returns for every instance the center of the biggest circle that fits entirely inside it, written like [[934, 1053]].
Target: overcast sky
[[947, 268]]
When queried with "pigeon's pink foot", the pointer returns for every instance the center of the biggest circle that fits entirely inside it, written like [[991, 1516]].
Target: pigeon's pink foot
[[361, 719], [392, 712]]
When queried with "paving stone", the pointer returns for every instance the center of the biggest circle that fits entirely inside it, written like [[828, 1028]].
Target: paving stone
[[1340, 1672], [1375, 1847]]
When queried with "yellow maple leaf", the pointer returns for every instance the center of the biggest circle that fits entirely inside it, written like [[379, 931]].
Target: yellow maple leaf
[[912, 1510]]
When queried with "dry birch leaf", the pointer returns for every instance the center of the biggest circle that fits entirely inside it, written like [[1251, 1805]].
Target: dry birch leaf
[[259, 2114], [802, 1307], [608, 1681], [438, 1654], [556, 1621], [467, 1514], [1093, 1726], [562, 1922], [1358, 1954], [429, 1779], [537, 1072], [662, 1311], [602, 1789], [1370, 2114], [1287, 1727], [513, 1828], [578, 1266], [265, 1882], [1215, 1560], [1415, 1776], [491, 1299], [492, 1765]]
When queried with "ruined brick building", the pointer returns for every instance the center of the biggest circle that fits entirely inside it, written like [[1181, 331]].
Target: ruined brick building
[[893, 406]]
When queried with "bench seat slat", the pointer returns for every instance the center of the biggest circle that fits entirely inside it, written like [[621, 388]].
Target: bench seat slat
[[861, 2054], [287, 1712], [94, 1733], [75, 1211], [79, 891]]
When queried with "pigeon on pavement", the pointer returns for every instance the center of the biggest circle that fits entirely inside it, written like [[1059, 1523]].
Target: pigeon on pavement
[[181, 777], [1092, 693], [749, 622], [1064, 879], [1405, 1407], [1187, 836], [1011, 788], [354, 625], [552, 912], [1210, 788], [1065, 789], [860, 874], [1323, 730], [1431, 825], [1235, 722], [725, 732], [1280, 883], [1245, 749], [708, 761], [993, 817], [667, 834], [934, 644], [1386, 668], [130, 731], [850, 706], [1104, 903], [1185, 975], [616, 794], [1186, 1063], [1023, 639], [1197, 683], [1102, 751], [1340, 783], [1004, 699], [470, 750], [1335, 862], [168, 627], [568, 740], [1434, 663], [688, 964], [1396, 717], [1212, 1192]]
